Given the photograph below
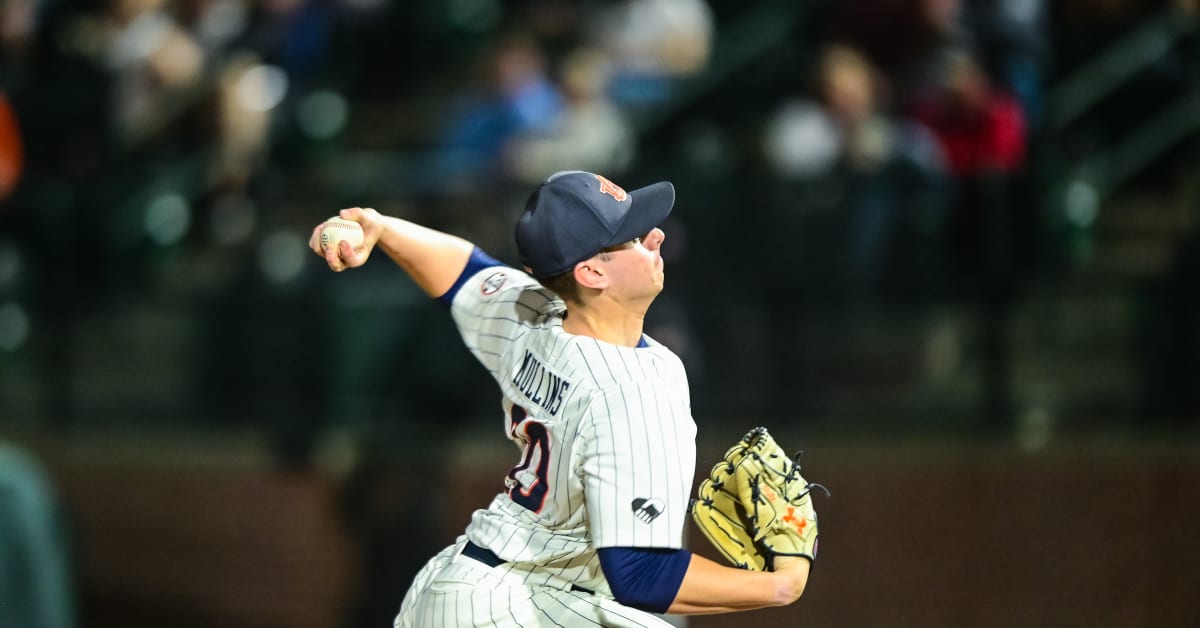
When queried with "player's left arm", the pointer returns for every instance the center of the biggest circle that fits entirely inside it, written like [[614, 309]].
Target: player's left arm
[[679, 582], [435, 260], [657, 578], [709, 587]]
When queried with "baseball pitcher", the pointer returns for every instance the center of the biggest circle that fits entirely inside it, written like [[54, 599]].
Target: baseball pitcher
[[588, 529]]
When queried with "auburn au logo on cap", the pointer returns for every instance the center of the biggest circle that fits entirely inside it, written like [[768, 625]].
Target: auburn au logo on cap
[[612, 189]]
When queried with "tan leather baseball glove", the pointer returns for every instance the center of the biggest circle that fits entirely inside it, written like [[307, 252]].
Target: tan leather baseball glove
[[755, 505]]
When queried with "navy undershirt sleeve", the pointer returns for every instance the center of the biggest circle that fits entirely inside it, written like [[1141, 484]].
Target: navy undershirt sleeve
[[645, 578], [477, 262]]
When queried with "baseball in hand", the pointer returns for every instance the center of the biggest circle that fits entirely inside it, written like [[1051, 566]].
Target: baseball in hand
[[337, 229]]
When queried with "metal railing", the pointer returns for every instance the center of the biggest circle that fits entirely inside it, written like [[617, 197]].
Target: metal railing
[[1106, 170]]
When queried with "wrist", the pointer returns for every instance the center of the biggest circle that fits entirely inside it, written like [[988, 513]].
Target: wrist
[[791, 577], [790, 585], [787, 588]]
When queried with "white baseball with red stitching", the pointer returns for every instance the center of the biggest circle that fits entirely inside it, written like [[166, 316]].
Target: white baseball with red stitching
[[337, 229]]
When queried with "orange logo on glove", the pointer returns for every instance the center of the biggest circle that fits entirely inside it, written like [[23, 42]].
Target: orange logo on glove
[[797, 522]]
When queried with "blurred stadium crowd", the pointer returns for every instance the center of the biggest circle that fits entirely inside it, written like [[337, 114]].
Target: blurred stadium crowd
[[869, 237], [863, 189]]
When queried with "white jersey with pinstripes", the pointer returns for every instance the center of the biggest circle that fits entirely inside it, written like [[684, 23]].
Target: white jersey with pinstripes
[[606, 435]]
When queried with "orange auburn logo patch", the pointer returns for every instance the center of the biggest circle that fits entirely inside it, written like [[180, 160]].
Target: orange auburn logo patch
[[612, 189]]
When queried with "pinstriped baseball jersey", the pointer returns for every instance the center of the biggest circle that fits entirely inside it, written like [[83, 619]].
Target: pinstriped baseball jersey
[[606, 435]]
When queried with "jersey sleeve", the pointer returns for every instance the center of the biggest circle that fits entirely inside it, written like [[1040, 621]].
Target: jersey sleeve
[[637, 470], [479, 260], [493, 305], [644, 578]]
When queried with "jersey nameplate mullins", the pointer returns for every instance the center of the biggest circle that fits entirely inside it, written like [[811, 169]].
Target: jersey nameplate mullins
[[539, 385]]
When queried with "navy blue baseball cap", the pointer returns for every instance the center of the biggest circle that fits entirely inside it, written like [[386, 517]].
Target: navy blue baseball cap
[[574, 215]]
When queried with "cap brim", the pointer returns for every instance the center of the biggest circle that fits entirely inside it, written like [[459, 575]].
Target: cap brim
[[648, 208]]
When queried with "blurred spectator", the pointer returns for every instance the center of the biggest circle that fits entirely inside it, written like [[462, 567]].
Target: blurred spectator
[[981, 128], [886, 173], [513, 95], [591, 133], [155, 62], [292, 34], [902, 37], [203, 74], [36, 575], [1012, 39], [982, 132], [11, 154], [247, 95], [907, 38], [216, 25], [18, 31], [652, 42]]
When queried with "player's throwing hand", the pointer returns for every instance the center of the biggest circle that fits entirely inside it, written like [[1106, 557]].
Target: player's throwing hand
[[350, 247]]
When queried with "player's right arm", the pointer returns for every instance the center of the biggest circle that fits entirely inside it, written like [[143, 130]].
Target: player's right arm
[[433, 259]]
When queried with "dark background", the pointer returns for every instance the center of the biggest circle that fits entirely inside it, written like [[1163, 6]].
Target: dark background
[[974, 307]]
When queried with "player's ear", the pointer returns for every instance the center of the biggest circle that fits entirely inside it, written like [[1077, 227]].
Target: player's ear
[[589, 275]]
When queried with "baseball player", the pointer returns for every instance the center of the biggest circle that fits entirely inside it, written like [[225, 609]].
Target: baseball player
[[588, 530]]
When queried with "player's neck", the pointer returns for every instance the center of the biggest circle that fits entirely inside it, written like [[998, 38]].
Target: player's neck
[[606, 322]]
